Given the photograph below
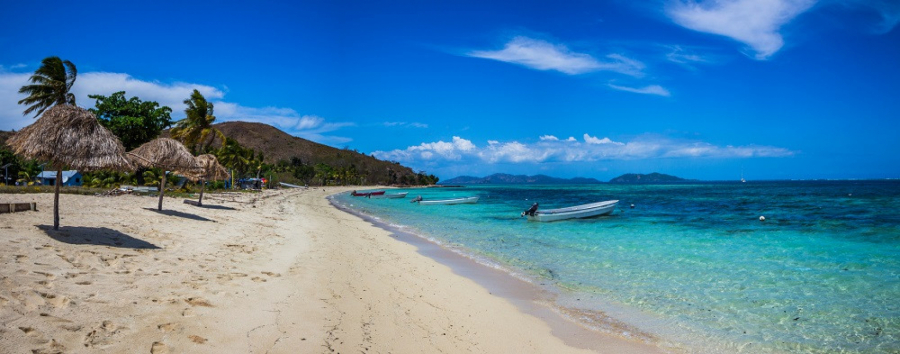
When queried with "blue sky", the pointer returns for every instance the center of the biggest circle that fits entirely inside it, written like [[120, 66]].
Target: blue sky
[[783, 89]]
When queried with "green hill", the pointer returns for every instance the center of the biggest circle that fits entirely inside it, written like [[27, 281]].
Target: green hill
[[277, 145]]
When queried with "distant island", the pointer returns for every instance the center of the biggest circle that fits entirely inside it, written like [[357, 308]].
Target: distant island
[[648, 178], [502, 178]]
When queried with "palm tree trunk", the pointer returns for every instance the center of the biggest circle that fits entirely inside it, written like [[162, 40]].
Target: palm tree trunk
[[162, 189], [202, 187], [56, 198]]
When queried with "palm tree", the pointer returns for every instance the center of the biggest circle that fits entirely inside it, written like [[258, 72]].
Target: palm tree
[[50, 85], [196, 131], [232, 155]]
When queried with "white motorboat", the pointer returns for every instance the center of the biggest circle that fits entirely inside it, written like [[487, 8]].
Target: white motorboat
[[389, 196], [463, 200], [575, 212]]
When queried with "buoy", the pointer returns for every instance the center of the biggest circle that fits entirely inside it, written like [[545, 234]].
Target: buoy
[[632, 206], [762, 218]]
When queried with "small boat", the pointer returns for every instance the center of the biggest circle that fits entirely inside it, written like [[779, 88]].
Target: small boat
[[389, 196], [366, 194], [463, 200], [575, 212]]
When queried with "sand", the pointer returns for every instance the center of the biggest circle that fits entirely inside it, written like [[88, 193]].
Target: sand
[[277, 272]]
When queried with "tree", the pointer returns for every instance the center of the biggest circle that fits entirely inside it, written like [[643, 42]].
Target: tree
[[304, 173], [50, 86], [234, 156], [324, 172], [135, 122], [196, 131]]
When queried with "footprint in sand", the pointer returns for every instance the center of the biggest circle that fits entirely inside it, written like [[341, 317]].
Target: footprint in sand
[[46, 284], [197, 339], [56, 300], [21, 258], [31, 299], [83, 283], [48, 275], [53, 347], [108, 326], [31, 332], [198, 301], [159, 348], [110, 260], [100, 334], [188, 312], [168, 327], [258, 279], [271, 274]]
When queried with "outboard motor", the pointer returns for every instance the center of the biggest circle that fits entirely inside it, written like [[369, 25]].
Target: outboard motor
[[531, 211], [416, 199]]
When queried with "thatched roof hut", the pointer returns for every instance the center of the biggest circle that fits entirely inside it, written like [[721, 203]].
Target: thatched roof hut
[[70, 136], [167, 154], [212, 169]]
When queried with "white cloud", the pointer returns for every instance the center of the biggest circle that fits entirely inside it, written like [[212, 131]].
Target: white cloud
[[647, 90], [594, 149], [10, 111], [756, 23], [405, 124], [594, 140], [172, 95], [549, 137], [167, 94], [680, 55], [308, 122], [543, 55], [571, 138]]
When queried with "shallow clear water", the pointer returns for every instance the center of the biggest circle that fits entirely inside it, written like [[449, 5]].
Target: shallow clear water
[[692, 263]]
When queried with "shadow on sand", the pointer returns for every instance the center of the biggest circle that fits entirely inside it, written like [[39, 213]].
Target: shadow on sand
[[179, 214], [217, 207], [207, 206], [101, 236]]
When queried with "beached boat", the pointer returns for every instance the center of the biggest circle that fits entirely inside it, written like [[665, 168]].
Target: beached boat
[[463, 200], [389, 196], [575, 212], [366, 194]]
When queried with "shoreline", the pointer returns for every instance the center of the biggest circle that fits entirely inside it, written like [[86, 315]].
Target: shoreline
[[593, 332]]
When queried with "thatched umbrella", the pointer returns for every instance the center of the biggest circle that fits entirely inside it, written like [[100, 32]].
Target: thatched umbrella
[[212, 171], [167, 154], [71, 136]]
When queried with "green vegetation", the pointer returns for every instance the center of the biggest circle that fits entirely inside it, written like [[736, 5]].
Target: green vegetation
[[135, 122], [50, 85], [196, 131]]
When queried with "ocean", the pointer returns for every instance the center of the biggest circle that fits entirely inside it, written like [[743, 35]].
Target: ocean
[[691, 265]]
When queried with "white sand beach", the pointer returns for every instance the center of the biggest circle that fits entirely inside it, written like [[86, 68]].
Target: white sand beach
[[277, 272]]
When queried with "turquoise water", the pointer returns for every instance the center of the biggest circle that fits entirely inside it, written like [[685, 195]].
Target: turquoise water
[[692, 264]]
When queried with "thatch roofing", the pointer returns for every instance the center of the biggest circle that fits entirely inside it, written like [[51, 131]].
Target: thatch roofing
[[168, 154], [212, 169], [71, 136]]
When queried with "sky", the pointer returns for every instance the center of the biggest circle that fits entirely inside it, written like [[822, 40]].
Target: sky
[[771, 89]]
